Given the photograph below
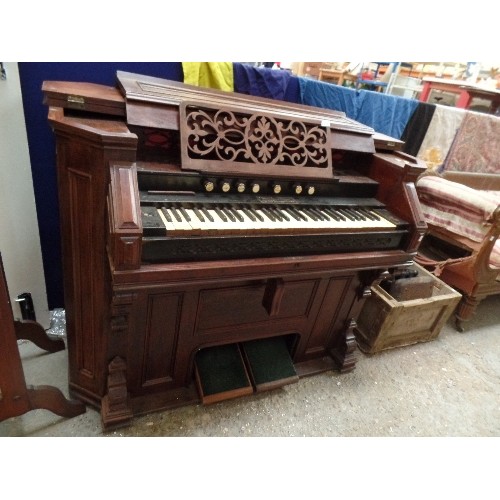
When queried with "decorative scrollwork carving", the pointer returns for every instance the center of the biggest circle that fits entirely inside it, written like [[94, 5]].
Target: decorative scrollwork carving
[[260, 139]]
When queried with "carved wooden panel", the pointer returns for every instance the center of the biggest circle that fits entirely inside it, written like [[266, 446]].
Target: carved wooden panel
[[83, 247], [229, 140], [337, 296], [124, 217], [247, 305], [160, 339]]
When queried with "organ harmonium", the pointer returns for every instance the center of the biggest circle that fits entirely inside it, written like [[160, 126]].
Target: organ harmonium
[[217, 244]]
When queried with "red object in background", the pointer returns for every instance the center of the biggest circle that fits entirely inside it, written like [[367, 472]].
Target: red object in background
[[367, 75]]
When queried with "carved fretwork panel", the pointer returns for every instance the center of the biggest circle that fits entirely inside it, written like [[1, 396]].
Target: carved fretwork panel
[[232, 141]]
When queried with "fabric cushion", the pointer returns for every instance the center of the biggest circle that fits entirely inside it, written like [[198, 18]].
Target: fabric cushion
[[460, 209]]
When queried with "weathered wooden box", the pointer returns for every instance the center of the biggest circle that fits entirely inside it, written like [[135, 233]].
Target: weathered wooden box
[[385, 323]]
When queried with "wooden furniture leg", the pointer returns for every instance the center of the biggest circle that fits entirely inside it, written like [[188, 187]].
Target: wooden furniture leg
[[34, 332], [16, 398]]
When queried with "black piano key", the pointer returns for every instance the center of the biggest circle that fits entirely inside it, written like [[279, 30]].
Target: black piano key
[[176, 214], [221, 214], [291, 213], [332, 216], [268, 214], [364, 213], [259, 216], [320, 214], [341, 216], [310, 213], [207, 214], [345, 214], [249, 214], [166, 214], [348, 214], [236, 214], [300, 215], [355, 214], [331, 213], [276, 213], [375, 215], [282, 213], [229, 214], [185, 214], [327, 216], [198, 214], [360, 214]]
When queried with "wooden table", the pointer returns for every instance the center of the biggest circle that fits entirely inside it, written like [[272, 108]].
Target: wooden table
[[337, 76]]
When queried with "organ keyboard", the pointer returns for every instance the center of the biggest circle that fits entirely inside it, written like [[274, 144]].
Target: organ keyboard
[[168, 217], [199, 224]]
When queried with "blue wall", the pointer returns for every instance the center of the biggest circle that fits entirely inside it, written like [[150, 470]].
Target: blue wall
[[41, 143]]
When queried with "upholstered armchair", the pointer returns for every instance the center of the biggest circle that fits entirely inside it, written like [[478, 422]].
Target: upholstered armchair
[[462, 211]]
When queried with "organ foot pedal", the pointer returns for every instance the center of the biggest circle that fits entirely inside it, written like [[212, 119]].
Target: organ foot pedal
[[234, 370]]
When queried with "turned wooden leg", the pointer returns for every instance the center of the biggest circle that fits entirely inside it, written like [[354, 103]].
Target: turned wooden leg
[[343, 352], [34, 332], [465, 311]]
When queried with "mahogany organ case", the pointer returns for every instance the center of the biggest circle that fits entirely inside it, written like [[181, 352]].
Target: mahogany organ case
[[217, 244]]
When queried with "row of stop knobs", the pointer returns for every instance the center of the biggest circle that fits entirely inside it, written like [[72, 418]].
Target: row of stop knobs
[[253, 187]]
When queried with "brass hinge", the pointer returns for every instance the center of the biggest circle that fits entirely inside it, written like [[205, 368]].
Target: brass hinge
[[76, 101]]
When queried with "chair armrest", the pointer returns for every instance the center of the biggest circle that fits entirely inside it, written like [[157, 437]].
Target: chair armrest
[[475, 180], [457, 208]]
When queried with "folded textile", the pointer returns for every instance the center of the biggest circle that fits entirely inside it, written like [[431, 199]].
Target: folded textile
[[416, 128], [441, 131], [458, 208], [476, 147], [215, 75], [387, 114], [261, 82], [329, 96]]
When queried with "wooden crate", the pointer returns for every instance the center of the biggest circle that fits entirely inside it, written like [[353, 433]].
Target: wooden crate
[[385, 323]]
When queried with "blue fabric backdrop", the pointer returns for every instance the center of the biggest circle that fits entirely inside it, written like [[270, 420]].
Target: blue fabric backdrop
[[41, 145], [385, 113]]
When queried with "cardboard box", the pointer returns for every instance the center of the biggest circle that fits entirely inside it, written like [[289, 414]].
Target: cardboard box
[[385, 323]]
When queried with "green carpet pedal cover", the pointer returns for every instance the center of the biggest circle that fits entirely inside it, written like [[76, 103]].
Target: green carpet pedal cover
[[221, 374], [269, 363]]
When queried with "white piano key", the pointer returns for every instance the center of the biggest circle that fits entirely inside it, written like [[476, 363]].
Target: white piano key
[[171, 230], [181, 227], [273, 219]]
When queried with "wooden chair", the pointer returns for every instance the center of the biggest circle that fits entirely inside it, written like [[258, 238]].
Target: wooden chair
[[16, 398], [462, 211]]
